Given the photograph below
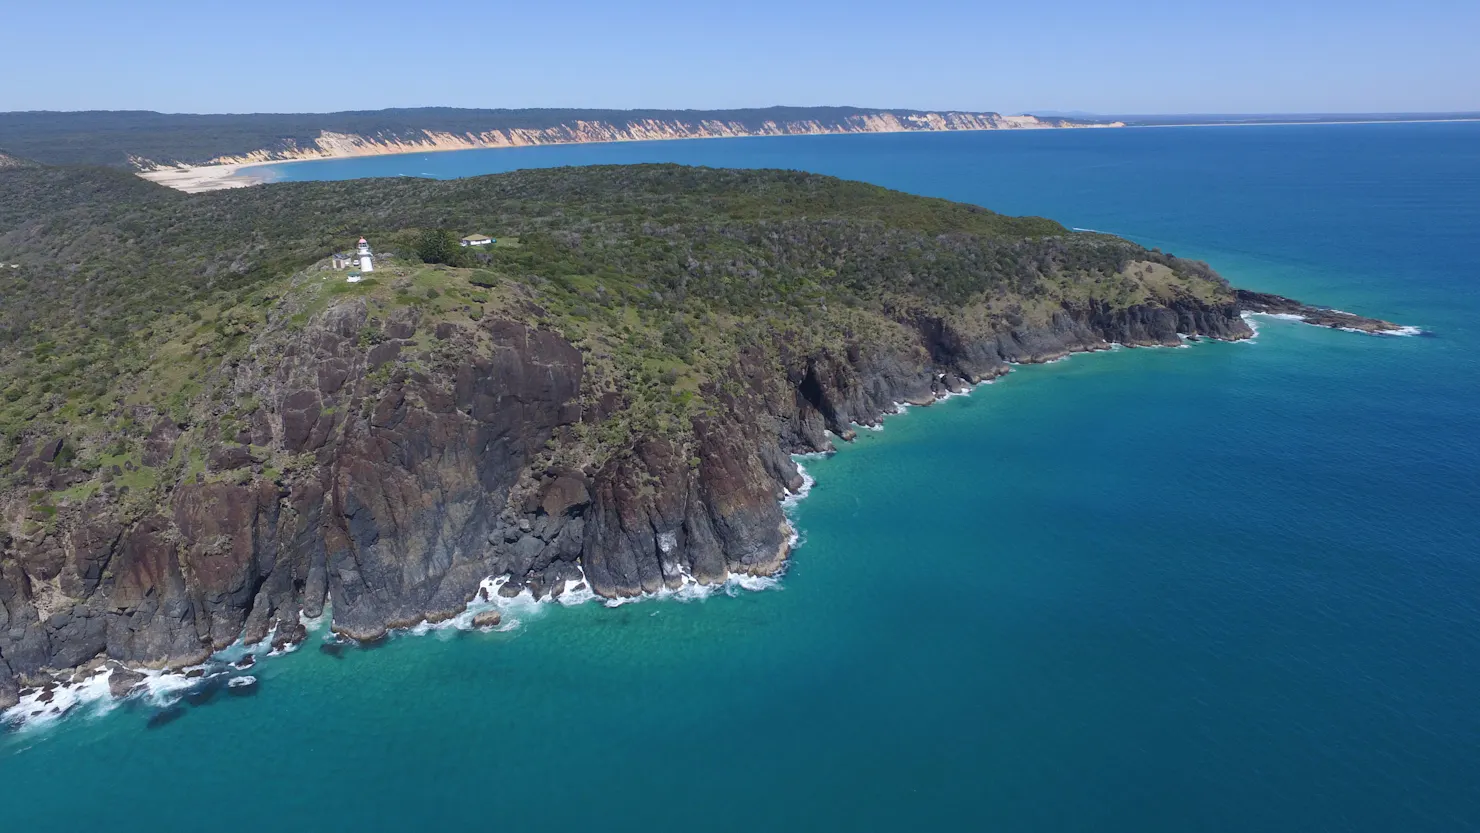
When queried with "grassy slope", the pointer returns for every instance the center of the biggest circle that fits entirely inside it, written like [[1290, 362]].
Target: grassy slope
[[131, 299]]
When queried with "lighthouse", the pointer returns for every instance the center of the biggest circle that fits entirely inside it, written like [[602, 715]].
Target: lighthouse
[[367, 263]]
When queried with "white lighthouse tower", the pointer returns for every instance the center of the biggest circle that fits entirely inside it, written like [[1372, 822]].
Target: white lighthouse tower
[[367, 262]]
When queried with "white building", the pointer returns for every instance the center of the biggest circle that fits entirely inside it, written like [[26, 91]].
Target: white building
[[477, 240]]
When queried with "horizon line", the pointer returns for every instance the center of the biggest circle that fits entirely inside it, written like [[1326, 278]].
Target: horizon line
[[1047, 112]]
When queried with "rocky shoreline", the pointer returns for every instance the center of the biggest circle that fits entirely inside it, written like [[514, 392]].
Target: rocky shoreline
[[1263, 303], [607, 404], [401, 526]]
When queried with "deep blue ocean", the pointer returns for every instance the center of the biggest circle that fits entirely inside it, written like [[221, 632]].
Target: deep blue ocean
[[1234, 587]]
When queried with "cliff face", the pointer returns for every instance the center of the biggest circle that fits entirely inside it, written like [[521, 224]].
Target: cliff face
[[414, 480], [330, 144], [207, 432]]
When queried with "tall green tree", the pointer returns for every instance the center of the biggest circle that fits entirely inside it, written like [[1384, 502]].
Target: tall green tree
[[441, 245]]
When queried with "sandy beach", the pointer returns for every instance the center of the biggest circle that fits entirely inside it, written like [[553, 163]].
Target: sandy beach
[[199, 178]]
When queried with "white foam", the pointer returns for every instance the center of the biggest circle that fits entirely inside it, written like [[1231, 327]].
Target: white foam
[[577, 592], [312, 624], [1249, 318], [92, 696], [285, 650], [1401, 332], [161, 689], [522, 607], [32, 712], [808, 481], [238, 649]]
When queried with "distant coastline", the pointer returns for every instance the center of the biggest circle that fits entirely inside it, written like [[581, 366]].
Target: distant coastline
[[346, 136], [231, 171]]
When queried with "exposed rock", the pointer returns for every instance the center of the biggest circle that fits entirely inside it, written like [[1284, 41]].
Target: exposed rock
[[123, 680], [382, 353], [414, 489], [1264, 302], [487, 619], [234, 457], [289, 636], [242, 686], [9, 692], [49, 451], [161, 443]]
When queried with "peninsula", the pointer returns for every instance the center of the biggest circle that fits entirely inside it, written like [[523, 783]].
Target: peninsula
[[211, 422], [208, 152]]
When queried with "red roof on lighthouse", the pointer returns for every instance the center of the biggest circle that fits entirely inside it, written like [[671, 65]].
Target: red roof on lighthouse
[[362, 240]]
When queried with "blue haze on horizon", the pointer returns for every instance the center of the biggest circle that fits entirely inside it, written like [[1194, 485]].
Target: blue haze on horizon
[[1111, 56]]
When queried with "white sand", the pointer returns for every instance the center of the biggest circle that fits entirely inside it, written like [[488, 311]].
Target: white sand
[[199, 178]]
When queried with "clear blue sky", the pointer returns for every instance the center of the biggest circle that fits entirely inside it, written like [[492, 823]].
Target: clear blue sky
[[1155, 56]]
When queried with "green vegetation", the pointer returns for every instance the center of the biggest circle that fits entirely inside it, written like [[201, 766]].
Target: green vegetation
[[132, 302], [440, 245]]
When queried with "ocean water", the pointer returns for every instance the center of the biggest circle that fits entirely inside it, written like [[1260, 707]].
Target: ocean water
[[1232, 587]]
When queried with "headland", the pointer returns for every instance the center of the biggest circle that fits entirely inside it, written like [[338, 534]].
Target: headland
[[218, 430]]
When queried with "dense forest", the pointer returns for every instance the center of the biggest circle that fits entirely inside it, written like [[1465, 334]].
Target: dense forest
[[113, 137], [103, 270]]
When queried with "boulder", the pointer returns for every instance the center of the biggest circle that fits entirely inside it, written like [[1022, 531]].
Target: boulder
[[123, 680], [487, 619], [234, 457], [290, 635]]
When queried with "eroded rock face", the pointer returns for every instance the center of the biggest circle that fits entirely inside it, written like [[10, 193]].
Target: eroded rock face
[[419, 487], [417, 479]]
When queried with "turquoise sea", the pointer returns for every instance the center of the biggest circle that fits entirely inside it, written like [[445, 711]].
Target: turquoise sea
[[1234, 587]]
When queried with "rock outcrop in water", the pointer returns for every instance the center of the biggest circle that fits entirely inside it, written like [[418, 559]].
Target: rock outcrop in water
[[1265, 303]]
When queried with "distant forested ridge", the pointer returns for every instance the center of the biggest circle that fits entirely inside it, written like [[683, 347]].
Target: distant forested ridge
[[123, 138]]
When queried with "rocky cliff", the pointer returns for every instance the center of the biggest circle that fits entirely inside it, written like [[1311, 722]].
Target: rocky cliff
[[608, 402], [414, 489]]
